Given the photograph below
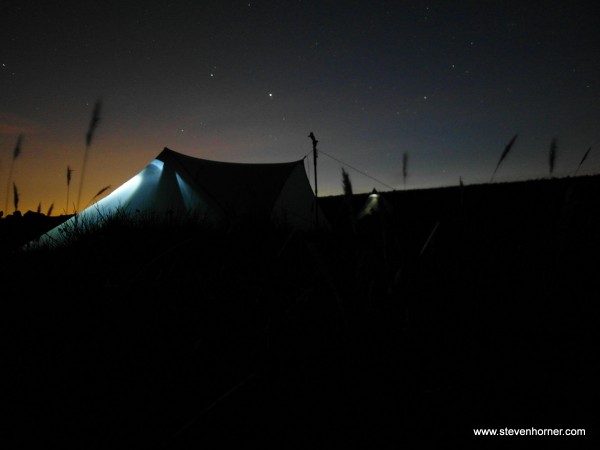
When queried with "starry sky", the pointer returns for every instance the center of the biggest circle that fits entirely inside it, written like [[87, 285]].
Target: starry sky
[[448, 83]]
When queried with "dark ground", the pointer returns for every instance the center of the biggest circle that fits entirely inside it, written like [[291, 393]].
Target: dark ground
[[462, 308]]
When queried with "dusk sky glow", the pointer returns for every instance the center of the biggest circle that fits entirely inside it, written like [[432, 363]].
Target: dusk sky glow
[[447, 82]]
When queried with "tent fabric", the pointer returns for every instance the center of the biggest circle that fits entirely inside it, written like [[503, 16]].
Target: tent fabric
[[236, 189], [221, 192]]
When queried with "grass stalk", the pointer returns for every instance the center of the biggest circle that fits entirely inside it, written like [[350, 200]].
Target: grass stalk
[[16, 197], [552, 156], [404, 169], [88, 142], [504, 155], [98, 194], [16, 153], [69, 173], [582, 160]]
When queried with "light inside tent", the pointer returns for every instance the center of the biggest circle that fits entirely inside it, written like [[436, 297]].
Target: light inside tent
[[121, 196], [371, 205], [143, 183], [152, 171], [128, 188], [190, 198]]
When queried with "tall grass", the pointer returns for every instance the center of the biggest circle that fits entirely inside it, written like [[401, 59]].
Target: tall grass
[[69, 173], [98, 194], [88, 142], [346, 185], [16, 197], [504, 155], [585, 155], [16, 153], [458, 298], [404, 168], [349, 199], [196, 350], [552, 156]]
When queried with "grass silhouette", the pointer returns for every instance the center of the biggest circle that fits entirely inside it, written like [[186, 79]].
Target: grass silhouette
[[16, 197], [88, 142], [404, 168], [504, 155], [69, 174], [178, 333], [585, 155], [552, 155], [184, 333], [15, 155]]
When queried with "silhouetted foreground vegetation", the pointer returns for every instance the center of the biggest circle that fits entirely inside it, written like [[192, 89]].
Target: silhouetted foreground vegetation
[[461, 308], [18, 229]]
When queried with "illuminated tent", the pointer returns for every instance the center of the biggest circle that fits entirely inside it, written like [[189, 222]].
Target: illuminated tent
[[177, 186], [376, 204]]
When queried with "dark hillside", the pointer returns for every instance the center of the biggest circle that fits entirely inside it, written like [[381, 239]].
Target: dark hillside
[[17, 229], [460, 308]]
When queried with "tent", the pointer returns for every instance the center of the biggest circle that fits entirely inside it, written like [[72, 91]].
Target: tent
[[178, 185], [376, 204]]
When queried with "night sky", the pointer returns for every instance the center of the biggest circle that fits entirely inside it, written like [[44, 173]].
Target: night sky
[[448, 83]]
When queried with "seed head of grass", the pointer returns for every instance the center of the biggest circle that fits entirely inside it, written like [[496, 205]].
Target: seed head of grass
[[504, 155]]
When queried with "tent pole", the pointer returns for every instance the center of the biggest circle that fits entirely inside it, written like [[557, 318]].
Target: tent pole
[[314, 144]]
